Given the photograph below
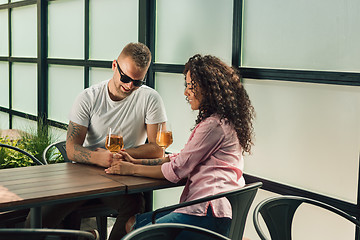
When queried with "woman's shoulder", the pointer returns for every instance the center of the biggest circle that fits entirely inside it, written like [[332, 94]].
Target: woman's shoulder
[[213, 119], [212, 123], [216, 122]]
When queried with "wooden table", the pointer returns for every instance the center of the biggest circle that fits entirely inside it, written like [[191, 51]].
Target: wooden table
[[36, 186]]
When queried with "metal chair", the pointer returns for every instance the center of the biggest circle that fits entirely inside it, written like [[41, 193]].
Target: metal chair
[[16, 217], [278, 214], [240, 200], [92, 209], [61, 146], [35, 234], [170, 231]]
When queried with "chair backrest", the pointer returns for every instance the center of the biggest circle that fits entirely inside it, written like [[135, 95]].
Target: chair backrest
[[36, 161], [278, 214], [241, 201], [164, 231], [61, 146], [31, 233]]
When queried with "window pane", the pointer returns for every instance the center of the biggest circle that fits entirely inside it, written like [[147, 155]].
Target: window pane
[[4, 120], [182, 118], [3, 1], [24, 31], [23, 124], [121, 16], [320, 35], [307, 133], [65, 83], [100, 74], [4, 30], [24, 89], [4, 83], [66, 29], [187, 27], [58, 133]]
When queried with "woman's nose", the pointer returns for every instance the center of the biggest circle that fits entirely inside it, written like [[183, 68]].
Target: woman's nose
[[186, 92]]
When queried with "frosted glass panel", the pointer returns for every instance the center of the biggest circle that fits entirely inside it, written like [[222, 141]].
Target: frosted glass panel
[[24, 124], [113, 24], [100, 74], [166, 197], [4, 83], [306, 134], [24, 89], [24, 31], [302, 34], [182, 118], [65, 83], [4, 120], [66, 29], [58, 133], [4, 30], [186, 27]]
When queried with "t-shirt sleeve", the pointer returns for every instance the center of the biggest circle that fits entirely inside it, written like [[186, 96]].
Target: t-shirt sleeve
[[155, 111], [80, 111], [207, 138]]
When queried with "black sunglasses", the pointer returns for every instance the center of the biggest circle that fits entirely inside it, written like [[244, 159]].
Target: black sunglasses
[[126, 79]]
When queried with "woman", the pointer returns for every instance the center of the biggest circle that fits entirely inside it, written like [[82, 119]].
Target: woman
[[212, 159]]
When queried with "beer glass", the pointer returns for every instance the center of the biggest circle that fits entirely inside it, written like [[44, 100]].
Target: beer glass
[[114, 141], [164, 136]]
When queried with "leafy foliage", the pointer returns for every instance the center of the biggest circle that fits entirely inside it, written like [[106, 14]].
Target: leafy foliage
[[33, 141], [10, 158]]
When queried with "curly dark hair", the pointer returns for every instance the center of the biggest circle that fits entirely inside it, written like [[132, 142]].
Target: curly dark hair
[[222, 93]]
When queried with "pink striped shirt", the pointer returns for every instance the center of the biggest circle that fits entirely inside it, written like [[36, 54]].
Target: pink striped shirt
[[212, 162]]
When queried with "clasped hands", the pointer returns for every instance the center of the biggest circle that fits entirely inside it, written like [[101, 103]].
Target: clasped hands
[[121, 164]]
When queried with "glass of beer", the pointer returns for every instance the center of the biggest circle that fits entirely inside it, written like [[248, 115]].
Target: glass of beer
[[114, 141], [164, 136]]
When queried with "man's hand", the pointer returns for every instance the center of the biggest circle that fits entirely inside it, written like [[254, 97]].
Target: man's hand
[[106, 158]]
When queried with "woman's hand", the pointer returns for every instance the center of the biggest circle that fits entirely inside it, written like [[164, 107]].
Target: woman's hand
[[121, 167], [126, 157]]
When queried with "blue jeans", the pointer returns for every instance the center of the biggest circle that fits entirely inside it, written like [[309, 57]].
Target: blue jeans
[[219, 225]]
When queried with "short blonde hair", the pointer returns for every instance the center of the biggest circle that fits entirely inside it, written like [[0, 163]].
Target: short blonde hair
[[138, 52]]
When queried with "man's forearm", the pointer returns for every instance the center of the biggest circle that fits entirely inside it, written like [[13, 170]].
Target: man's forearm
[[148, 150], [81, 154]]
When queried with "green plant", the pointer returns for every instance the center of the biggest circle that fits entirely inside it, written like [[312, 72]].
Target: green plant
[[34, 141], [10, 158]]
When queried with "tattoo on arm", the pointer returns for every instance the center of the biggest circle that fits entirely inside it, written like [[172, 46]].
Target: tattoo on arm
[[156, 161], [82, 154], [73, 132]]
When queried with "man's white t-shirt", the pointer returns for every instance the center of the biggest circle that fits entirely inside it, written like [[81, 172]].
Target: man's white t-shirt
[[94, 109]]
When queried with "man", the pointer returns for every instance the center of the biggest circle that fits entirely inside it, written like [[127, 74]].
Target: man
[[119, 103], [125, 104]]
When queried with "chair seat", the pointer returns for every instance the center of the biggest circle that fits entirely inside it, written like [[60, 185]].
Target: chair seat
[[13, 218]]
